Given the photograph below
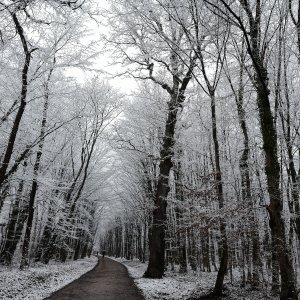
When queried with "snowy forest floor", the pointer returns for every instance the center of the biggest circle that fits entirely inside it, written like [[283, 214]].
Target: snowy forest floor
[[40, 281], [175, 286]]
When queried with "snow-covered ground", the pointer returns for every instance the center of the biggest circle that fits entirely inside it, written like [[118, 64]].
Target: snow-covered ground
[[175, 286], [40, 281]]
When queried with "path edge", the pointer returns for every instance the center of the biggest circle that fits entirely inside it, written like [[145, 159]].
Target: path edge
[[52, 294], [138, 289]]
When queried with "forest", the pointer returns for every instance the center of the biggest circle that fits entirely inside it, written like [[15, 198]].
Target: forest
[[163, 131]]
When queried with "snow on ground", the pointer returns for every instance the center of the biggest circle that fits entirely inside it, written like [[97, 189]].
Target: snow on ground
[[176, 286], [40, 281]]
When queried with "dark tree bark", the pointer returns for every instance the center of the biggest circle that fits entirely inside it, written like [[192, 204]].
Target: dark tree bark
[[269, 136], [34, 186], [15, 225], [78, 243], [218, 289], [272, 168], [156, 264], [294, 204], [14, 131]]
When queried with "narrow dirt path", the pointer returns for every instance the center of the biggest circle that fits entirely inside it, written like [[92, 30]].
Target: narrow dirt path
[[109, 280]]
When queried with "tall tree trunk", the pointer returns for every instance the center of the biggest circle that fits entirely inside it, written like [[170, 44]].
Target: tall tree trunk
[[34, 187], [269, 137], [157, 236], [245, 173], [157, 233], [272, 169], [219, 188], [211, 88], [16, 124], [291, 169]]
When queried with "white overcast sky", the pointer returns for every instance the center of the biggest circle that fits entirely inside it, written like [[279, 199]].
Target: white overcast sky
[[103, 62]]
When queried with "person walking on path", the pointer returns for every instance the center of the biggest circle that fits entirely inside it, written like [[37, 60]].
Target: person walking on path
[[103, 253]]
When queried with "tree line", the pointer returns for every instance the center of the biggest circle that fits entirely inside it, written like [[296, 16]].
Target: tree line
[[52, 132], [209, 145], [203, 155]]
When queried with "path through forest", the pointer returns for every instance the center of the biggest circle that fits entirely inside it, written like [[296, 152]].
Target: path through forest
[[109, 280]]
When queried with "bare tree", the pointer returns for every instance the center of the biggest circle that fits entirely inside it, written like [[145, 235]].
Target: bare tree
[[256, 51]]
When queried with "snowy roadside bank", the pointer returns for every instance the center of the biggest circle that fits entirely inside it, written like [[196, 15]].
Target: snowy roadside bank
[[172, 287], [176, 286], [40, 281]]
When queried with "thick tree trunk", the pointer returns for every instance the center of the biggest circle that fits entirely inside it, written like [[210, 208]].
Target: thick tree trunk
[[156, 264], [272, 169], [84, 251], [269, 137], [14, 131]]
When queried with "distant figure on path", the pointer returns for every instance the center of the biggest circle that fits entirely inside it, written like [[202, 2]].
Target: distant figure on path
[[103, 253]]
